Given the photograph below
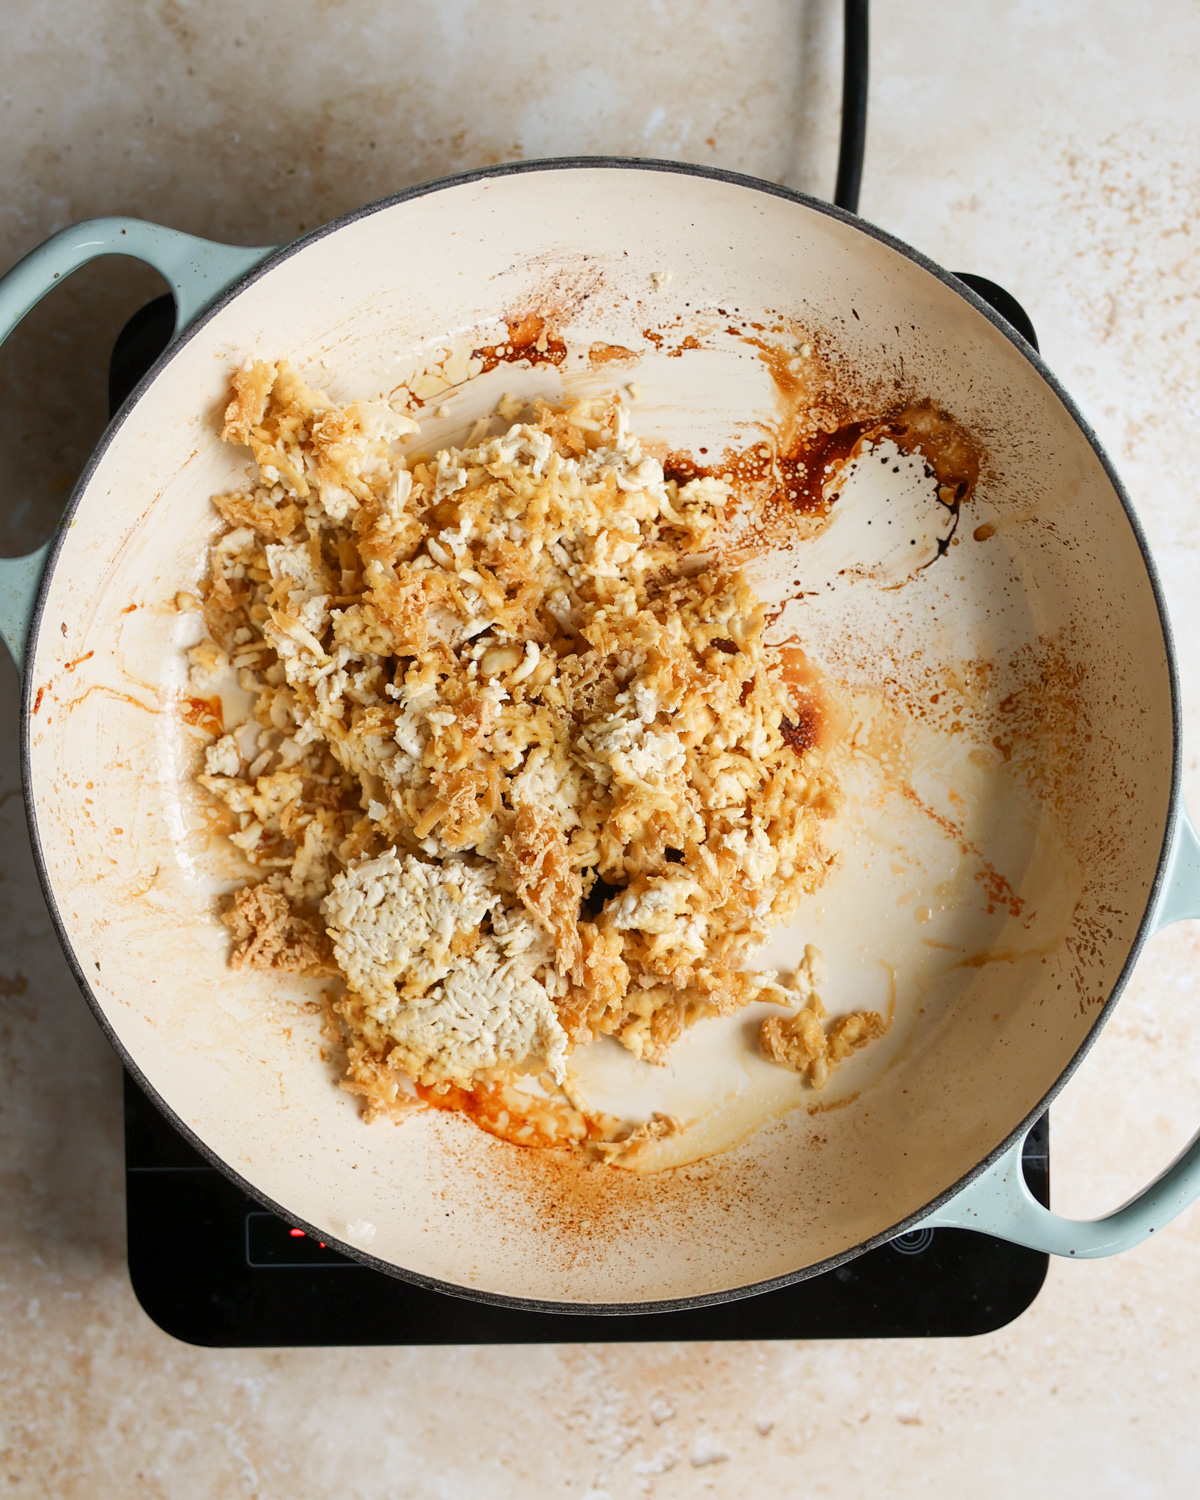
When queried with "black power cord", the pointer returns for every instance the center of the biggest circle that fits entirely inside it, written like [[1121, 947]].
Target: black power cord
[[853, 145], [854, 107]]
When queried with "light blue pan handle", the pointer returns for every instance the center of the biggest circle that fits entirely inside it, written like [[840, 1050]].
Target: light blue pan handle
[[196, 270], [999, 1202]]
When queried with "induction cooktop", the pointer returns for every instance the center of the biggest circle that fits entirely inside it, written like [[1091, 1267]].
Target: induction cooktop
[[211, 1266]]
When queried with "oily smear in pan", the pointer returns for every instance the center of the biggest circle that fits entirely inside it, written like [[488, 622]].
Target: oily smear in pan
[[531, 338], [1028, 712], [787, 483]]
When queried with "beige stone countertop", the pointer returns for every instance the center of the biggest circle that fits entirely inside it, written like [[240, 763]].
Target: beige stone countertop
[[1048, 144]]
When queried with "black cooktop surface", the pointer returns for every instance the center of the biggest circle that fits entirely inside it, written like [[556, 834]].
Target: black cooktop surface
[[210, 1265]]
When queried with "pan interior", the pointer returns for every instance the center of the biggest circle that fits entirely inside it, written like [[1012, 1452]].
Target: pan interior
[[1003, 710]]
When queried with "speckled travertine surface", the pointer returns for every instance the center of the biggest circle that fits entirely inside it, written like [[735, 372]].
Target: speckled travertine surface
[[1050, 147]]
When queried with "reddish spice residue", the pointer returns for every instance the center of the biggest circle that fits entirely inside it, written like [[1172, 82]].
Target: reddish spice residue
[[101, 687], [37, 702], [79, 660], [521, 1119], [485, 1109], [691, 342], [129, 609], [204, 713], [529, 339], [609, 354]]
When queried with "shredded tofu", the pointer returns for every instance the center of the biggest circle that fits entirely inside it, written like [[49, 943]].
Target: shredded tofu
[[520, 764], [803, 1044], [270, 935]]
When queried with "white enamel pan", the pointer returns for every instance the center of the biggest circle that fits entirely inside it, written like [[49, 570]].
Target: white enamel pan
[[1000, 867]]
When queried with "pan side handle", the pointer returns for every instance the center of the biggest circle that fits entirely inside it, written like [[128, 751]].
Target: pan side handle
[[999, 1202], [196, 270]]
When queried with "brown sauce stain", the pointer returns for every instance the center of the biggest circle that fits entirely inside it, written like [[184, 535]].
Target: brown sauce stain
[[951, 452], [803, 732], [610, 354], [204, 713], [1005, 956], [530, 339], [802, 480], [682, 468], [79, 660], [816, 718], [982, 533], [220, 821], [690, 342], [803, 476], [794, 381], [129, 609]]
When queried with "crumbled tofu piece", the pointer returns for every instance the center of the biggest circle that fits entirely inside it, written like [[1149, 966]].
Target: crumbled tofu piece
[[270, 935], [455, 1003], [395, 917], [222, 759], [653, 904], [489, 1014], [803, 1043], [209, 668]]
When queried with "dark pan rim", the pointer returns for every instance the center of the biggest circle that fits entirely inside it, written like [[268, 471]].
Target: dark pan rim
[[752, 184]]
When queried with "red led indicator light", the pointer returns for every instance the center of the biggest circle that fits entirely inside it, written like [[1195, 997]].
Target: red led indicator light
[[296, 1234]]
